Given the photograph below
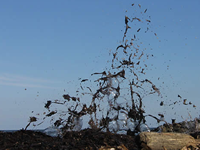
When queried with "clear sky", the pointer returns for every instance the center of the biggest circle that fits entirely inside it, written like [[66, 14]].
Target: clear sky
[[46, 46]]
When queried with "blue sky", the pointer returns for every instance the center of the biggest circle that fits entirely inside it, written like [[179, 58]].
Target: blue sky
[[45, 46]]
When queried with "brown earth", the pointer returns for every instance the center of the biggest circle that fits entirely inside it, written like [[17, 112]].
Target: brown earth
[[87, 139]]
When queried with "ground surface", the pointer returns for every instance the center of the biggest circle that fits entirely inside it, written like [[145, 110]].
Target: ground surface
[[84, 140], [88, 139]]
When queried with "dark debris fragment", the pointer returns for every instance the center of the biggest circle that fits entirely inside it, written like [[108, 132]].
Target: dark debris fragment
[[47, 105], [51, 113], [161, 103], [138, 29], [68, 97]]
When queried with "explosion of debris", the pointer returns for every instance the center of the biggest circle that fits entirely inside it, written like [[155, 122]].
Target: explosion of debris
[[116, 103]]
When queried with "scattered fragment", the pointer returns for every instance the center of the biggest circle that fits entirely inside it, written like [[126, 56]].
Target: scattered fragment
[[138, 30], [148, 20], [32, 119], [47, 104], [51, 113], [67, 97], [184, 101], [84, 80]]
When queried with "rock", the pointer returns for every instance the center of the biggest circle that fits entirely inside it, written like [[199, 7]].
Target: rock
[[166, 141]]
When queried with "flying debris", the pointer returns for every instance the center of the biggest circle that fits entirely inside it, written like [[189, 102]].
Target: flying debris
[[58, 122], [84, 80], [153, 86], [138, 30], [148, 20], [122, 46], [138, 19], [120, 87], [162, 118], [140, 56], [147, 30], [126, 20], [161, 103], [67, 97], [103, 73], [51, 113], [158, 120], [32, 119], [184, 102], [127, 27], [47, 105]]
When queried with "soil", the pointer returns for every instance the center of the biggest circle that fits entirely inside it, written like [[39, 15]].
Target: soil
[[87, 139]]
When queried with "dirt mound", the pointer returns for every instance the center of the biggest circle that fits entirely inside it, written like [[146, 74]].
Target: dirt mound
[[87, 139], [90, 139]]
